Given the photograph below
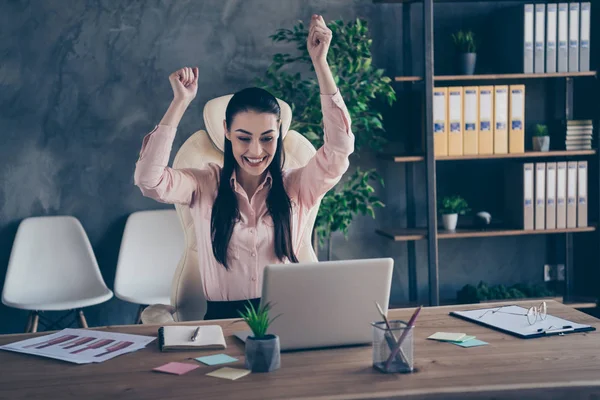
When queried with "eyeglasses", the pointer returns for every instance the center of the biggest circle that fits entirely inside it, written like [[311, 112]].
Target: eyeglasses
[[533, 314]]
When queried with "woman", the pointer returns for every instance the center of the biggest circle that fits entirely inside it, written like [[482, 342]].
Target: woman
[[250, 212]]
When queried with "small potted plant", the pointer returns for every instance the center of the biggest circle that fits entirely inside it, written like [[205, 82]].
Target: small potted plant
[[450, 208], [262, 349], [541, 140], [466, 47]]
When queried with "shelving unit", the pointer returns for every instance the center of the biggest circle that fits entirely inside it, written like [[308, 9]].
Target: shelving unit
[[426, 79]]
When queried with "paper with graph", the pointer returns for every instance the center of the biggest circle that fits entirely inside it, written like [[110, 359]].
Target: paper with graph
[[80, 346], [513, 320]]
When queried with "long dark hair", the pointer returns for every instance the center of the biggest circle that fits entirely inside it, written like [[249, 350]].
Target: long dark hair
[[225, 212]]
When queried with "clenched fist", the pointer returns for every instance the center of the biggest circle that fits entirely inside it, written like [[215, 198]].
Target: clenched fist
[[319, 39], [184, 83]]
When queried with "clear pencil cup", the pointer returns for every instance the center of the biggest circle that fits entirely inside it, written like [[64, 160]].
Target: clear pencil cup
[[384, 343]]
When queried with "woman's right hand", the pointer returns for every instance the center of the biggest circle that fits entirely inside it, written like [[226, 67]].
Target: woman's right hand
[[184, 83]]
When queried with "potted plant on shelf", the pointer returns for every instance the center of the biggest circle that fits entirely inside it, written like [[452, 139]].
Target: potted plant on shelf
[[466, 48], [450, 208], [541, 140], [262, 349]]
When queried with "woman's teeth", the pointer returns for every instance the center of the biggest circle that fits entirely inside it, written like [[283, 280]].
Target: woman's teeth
[[254, 160]]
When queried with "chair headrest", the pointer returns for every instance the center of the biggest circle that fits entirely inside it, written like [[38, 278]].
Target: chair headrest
[[214, 114]]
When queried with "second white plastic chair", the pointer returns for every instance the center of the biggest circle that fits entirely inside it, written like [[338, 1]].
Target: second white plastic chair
[[152, 245]]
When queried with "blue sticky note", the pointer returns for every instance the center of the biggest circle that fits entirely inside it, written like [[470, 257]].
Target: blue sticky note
[[216, 359], [471, 343]]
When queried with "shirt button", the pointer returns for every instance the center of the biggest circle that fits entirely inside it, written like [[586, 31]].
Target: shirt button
[[251, 230], [253, 254], [254, 278]]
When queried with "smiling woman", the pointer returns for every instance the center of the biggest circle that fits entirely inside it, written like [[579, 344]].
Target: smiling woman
[[257, 209]]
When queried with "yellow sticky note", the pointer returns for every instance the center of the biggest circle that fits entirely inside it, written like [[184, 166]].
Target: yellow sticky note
[[447, 336], [229, 373]]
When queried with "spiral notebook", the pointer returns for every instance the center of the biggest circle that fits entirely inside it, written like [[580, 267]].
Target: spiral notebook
[[513, 320], [177, 337]]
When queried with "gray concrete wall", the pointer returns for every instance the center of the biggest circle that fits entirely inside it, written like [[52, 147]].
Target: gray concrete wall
[[81, 82]]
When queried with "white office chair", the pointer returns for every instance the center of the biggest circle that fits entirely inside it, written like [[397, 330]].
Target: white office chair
[[52, 267], [151, 248], [187, 298]]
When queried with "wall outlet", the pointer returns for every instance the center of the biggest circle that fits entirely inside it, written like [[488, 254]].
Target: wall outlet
[[554, 272]]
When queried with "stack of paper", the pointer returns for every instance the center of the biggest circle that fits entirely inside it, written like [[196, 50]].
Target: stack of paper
[[80, 346], [459, 339], [579, 135]]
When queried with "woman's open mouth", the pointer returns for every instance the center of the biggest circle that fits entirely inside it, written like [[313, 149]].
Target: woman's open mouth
[[255, 162]]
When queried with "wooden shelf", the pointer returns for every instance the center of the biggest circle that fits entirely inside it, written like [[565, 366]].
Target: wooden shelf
[[408, 78], [403, 235], [442, 78], [529, 154], [512, 76], [406, 234], [470, 233]]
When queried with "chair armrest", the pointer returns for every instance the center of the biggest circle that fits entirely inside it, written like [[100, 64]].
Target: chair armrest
[[157, 314]]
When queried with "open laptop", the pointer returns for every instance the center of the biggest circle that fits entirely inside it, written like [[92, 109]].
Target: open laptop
[[326, 304]]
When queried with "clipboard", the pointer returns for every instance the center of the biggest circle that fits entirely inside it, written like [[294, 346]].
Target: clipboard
[[513, 321]]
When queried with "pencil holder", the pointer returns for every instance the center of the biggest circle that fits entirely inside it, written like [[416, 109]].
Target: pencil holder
[[384, 343]]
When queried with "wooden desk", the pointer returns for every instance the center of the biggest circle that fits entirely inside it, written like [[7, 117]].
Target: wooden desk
[[509, 367]]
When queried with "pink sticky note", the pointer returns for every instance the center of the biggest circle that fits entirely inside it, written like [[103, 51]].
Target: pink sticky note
[[176, 368]]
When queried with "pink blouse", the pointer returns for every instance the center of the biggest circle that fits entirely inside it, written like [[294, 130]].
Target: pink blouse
[[251, 246]]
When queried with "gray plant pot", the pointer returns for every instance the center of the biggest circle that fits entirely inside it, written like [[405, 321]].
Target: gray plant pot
[[467, 63], [263, 355], [541, 143]]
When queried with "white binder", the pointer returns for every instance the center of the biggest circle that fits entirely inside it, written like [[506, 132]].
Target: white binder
[[582, 202], [540, 196], [551, 36], [551, 195], [572, 194], [528, 39], [584, 37], [561, 195], [573, 37], [562, 52], [540, 43]]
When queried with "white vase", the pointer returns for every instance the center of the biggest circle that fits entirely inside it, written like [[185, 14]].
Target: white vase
[[450, 221]]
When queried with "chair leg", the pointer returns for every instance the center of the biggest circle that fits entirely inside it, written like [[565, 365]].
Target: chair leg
[[138, 319], [34, 321], [82, 321], [29, 322]]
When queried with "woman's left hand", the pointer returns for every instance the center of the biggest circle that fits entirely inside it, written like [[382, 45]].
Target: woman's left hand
[[319, 39]]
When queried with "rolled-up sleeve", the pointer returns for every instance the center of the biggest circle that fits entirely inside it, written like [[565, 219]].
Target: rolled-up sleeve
[[155, 178], [328, 165]]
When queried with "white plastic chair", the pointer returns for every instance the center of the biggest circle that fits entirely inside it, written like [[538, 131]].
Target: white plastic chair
[[152, 245], [52, 267]]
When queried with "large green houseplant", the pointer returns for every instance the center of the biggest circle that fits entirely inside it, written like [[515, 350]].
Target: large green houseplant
[[365, 90]]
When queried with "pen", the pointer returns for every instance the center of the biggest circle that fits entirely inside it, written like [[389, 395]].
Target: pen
[[195, 335], [563, 329]]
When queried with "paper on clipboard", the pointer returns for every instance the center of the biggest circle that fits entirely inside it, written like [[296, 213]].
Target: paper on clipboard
[[513, 320]]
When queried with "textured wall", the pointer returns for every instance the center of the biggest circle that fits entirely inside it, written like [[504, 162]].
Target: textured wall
[[81, 82]]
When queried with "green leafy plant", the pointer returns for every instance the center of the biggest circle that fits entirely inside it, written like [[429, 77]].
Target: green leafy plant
[[349, 58], [337, 210], [465, 41], [540, 130], [453, 205], [483, 292], [365, 90], [258, 319]]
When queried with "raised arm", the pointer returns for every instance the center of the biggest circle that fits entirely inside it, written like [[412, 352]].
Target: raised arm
[[152, 174], [327, 166]]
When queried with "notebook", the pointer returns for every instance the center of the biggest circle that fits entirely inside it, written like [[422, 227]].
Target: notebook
[[178, 337]]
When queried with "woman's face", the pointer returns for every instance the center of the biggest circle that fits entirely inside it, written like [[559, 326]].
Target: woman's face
[[253, 139]]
